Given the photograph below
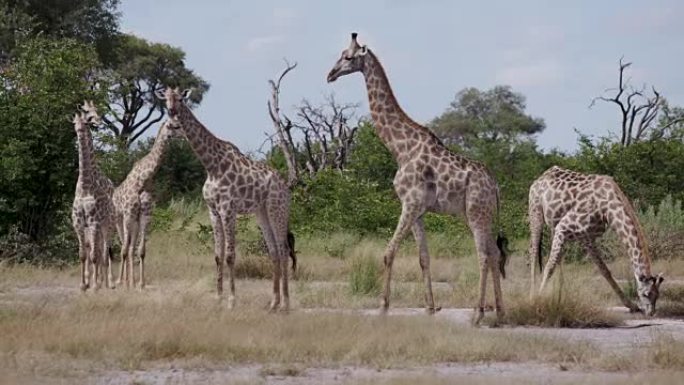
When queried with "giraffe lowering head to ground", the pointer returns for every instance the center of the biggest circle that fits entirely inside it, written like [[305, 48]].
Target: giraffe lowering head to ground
[[430, 178], [92, 211], [580, 207], [133, 203], [236, 185]]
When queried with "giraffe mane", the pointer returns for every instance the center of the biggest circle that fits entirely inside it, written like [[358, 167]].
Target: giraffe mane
[[403, 113]]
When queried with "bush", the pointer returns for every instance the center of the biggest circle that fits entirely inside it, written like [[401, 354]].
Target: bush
[[364, 276], [568, 311]]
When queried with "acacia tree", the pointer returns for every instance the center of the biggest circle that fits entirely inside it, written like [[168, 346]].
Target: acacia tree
[[491, 115], [138, 70], [643, 114]]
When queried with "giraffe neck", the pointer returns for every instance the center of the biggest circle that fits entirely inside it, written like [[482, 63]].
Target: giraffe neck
[[396, 129], [203, 142], [143, 170], [625, 224], [86, 158]]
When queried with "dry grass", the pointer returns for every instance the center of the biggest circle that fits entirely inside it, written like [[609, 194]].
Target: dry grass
[[125, 330], [551, 379]]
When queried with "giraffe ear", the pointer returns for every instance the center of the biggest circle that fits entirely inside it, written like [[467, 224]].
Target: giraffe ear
[[363, 50], [659, 279], [642, 278], [186, 94], [160, 94]]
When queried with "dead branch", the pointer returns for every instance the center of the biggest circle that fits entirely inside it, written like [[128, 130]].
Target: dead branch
[[283, 126]]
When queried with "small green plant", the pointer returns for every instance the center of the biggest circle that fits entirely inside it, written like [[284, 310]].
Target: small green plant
[[364, 276]]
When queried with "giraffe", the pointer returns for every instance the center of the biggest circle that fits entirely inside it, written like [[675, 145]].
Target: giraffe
[[580, 207], [134, 203], [92, 208], [430, 178], [236, 185]]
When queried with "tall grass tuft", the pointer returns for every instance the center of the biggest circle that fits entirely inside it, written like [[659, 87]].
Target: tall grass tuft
[[364, 275]]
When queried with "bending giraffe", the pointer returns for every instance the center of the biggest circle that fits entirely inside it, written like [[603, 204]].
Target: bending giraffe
[[580, 207], [429, 178], [92, 210], [134, 204], [236, 185]]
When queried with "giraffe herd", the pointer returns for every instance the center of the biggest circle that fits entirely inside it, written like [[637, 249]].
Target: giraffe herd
[[430, 178]]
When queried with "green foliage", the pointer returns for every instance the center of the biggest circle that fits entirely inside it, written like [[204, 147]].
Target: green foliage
[[364, 275], [336, 200], [38, 158], [496, 114], [664, 228], [91, 22]]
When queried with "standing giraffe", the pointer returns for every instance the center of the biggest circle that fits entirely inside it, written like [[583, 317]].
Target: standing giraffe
[[92, 211], [580, 207], [429, 178], [133, 203], [237, 185]]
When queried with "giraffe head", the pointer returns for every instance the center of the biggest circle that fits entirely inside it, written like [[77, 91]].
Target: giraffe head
[[90, 113], [80, 122], [352, 60], [174, 98], [648, 292]]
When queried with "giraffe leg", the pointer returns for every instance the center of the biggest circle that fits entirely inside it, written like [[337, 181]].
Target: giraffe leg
[[96, 254], [133, 234], [120, 232], [409, 215], [142, 239], [595, 255], [125, 251], [108, 258], [555, 257], [219, 249], [536, 219], [83, 250], [424, 259], [271, 244], [489, 261], [228, 225]]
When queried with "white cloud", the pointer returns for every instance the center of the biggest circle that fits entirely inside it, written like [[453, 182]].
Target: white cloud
[[261, 43], [531, 75]]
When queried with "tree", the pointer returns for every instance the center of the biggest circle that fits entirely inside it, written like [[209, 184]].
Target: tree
[[496, 114], [639, 112], [283, 126], [328, 133], [139, 68], [45, 83], [92, 22]]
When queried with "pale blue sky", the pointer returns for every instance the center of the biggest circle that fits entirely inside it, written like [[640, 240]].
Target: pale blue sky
[[559, 56]]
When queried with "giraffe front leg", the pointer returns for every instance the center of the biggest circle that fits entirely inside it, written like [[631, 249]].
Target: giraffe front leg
[[556, 256], [424, 259], [96, 255], [133, 241], [595, 255], [228, 224], [534, 255], [147, 205], [409, 215], [83, 250], [219, 249]]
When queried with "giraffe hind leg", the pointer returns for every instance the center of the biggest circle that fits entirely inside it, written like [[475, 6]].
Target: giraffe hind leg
[[424, 259]]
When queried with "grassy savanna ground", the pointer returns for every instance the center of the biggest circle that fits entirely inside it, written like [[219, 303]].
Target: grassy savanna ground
[[51, 332]]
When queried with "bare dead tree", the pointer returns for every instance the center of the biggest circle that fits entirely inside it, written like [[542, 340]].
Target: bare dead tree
[[328, 132], [638, 111], [283, 126]]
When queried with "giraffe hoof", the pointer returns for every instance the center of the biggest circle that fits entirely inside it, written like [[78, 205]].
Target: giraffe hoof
[[478, 318], [84, 287], [433, 310]]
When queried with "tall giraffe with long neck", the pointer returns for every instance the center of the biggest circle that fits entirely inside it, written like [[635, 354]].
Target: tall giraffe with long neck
[[580, 207], [236, 185], [133, 203], [429, 178], [92, 210]]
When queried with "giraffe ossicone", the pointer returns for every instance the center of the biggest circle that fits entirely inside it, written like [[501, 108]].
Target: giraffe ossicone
[[430, 178], [581, 207]]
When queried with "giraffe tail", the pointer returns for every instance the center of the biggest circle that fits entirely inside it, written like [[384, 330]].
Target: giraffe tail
[[293, 253], [501, 240], [539, 251]]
